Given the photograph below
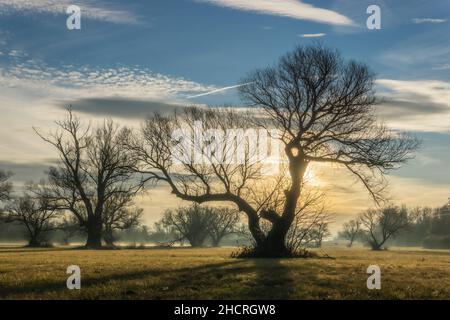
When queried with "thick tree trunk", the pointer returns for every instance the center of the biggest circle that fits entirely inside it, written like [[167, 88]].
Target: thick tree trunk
[[94, 231], [274, 246]]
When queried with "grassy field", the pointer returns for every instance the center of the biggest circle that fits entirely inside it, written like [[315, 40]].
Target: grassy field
[[186, 273]]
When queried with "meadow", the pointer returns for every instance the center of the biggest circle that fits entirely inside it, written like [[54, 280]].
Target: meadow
[[210, 273]]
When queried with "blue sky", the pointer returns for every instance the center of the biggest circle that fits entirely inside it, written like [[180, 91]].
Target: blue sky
[[158, 53]]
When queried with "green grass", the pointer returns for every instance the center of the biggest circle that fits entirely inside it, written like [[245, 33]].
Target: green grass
[[186, 273]]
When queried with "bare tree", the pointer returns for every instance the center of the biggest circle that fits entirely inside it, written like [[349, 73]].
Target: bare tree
[[223, 222], [320, 232], [380, 225], [165, 235], [119, 213], [191, 223], [36, 214], [93, 167], [351, 231], [310, 225], [70, 227], [323, 108], [5, 185]]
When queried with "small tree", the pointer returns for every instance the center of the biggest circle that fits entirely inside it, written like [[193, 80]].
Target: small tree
[[164, 234], [310, 225], [192, 223], [37, 215], [5, 185], [70, 227], [380, 225], [319, 232], [223, 222], [351, 231], [119, 214]]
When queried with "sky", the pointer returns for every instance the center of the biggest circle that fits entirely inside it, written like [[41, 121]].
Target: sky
[[133, 57]]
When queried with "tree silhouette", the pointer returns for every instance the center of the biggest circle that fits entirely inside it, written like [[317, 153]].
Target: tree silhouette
[[323, 109], [119, 213], [191, 223], [35, 213], [5, 185], [351, 231], [380, 225], [93, 169], [223, 223]]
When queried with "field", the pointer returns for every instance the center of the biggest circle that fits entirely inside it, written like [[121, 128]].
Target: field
[[186, 273]]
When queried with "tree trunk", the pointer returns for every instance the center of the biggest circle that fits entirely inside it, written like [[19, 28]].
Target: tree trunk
[[375, 245], [94, 231], [216, 243], [109, 238], [351, 243], [34, 242], [274, 245]]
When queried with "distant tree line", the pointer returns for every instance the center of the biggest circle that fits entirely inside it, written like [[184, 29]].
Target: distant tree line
[[393, 225], [198, 224], [36, 214]]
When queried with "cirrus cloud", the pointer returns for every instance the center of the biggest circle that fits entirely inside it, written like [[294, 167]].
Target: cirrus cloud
[[94, 9], [285, 8]]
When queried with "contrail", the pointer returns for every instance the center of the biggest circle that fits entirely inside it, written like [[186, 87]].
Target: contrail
[[218, 90]]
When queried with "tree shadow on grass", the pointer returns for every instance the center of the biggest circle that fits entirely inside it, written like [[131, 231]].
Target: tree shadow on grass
[[177, 279], [5, 250], [273, 280], [231, 279]]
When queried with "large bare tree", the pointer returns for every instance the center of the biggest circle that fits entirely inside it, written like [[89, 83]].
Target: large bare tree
[[323, 109], [93, 168]]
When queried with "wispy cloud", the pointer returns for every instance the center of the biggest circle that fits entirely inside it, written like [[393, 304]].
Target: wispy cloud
[[94, 9], [86, 82], [443, 66], [420, 105], [428, 20], [312, 35], [33, 94], [285, 8]]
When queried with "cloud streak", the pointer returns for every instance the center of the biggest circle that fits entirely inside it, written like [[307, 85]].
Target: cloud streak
[[312, 35], [428, 20], [93, 9], [419, 105], [285, 8]]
